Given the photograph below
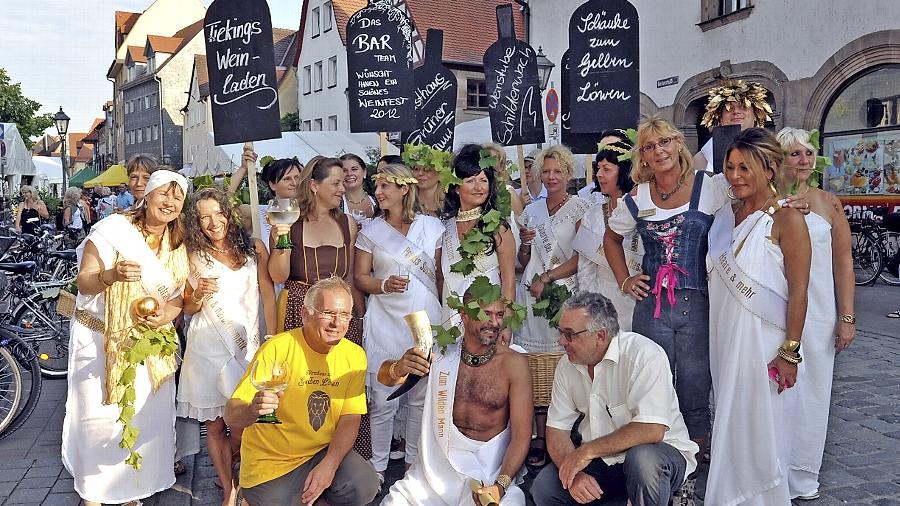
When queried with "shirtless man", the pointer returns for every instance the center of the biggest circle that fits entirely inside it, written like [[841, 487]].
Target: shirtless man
[[485, 388]]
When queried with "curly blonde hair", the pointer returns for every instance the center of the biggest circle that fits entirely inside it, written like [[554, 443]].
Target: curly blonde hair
[[559, 153], [656, 126]]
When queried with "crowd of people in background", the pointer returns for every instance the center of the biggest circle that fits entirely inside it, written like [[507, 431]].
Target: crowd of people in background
[[695, 292]]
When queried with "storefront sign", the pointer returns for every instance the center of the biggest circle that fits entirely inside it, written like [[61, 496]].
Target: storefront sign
[[381, 81], [241, 66], [435, 98], [513, 86], [603, 76]]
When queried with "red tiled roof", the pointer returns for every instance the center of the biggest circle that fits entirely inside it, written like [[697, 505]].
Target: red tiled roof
[[93, 134], [85, 153], [125, 20], [137, 54], [72, 144], [284, 41], [187, 33], [163, 44], [470, 26]]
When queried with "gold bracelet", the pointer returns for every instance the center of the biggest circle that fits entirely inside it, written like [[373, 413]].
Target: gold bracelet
[[100, 277], [848, 318], [786, 356], [504, 480], [622, 288], [194, 300], [791, 345], [392, 373]]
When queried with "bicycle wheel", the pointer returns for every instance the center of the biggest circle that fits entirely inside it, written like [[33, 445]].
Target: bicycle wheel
[[890, 241], [10, 388], [49, 336], [27, 361], [868, 259]]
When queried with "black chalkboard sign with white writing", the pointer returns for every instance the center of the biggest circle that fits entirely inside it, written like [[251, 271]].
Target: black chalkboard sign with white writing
[[604, 78], [379, 59], [722, 137], [578, 143], [240, 60], [435, 98], [513, 86]]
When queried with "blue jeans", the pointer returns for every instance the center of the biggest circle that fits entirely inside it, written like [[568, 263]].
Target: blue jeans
[[682, 331], [649, 476]]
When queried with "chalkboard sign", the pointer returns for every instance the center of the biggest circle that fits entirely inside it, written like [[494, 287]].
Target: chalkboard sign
[[381, 82], [513, 86], [240, 60], [578, 143], [604, 77], [722, 138], [435, 98]]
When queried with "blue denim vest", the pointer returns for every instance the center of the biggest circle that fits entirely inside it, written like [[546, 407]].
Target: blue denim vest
[[687, 235]]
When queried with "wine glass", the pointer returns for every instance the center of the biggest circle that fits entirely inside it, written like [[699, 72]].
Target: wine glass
[[283, 212], [271, 377], [527, 221], [403, 272], [358, 215]]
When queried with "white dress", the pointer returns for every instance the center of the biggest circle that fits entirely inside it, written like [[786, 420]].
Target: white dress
[[536, 334], [91, 431], [454, 282], [807, 403], [206, 352], [749, 450], [598, 277]]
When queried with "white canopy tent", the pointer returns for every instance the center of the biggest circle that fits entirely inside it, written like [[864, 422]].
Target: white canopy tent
[[49, 174], [15, 159], [216, 160]]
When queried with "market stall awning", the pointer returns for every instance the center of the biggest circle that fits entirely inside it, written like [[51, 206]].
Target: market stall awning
[[113, 176], [80, 177]]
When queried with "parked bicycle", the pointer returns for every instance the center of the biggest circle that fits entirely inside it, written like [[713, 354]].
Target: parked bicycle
[[17, 355], [875, 245]]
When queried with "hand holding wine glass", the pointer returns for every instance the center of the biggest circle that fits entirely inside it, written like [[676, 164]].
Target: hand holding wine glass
[[527, 232], [270, 378], [283, 212]]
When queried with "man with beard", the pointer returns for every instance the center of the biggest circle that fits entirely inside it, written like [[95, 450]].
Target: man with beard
[[477, 421]]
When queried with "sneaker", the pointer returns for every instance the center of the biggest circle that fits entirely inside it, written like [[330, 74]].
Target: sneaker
[[808, 497]]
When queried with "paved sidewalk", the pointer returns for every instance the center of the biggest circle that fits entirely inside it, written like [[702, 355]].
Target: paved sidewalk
[[861, 465]]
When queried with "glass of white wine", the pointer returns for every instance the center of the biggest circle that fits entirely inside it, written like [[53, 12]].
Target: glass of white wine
[[283, 212], [528, 223], [269, 376], [358, 215]]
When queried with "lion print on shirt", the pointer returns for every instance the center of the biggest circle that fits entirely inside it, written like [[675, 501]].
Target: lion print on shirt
[[318, 405]]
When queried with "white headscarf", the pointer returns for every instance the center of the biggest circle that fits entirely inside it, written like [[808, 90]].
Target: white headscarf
[[162, 178]]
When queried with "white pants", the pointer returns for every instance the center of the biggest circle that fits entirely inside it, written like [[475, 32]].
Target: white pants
[[381, 417]]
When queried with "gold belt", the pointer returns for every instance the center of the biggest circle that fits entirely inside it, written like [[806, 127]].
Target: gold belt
[[90, 321]]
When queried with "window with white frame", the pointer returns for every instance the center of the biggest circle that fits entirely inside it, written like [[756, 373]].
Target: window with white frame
[[317, 125], [307, 125], [317, 76], [140, 135], [153, 100], [327, 16], [146, 101], [315, 21], [332, 72], [332, 123], [307, 79], [729, 6], [147, 133], [155, 130]]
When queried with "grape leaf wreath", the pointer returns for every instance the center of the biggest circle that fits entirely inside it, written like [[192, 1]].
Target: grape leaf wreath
[[483, 293]]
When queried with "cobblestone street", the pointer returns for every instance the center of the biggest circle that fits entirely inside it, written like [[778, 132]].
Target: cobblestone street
[[862, 459]]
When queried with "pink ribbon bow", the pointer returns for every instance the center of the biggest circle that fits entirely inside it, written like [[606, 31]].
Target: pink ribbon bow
[[668, 273]]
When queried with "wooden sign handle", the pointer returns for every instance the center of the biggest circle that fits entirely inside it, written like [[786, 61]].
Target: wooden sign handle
[[382, 137], [254, 196], [520, 151], [588, 170]]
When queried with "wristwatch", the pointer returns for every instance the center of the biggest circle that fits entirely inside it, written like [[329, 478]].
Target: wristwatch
[[790, 345], [848, 318], [504, 481]]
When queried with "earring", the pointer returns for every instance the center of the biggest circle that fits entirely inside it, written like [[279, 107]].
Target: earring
[[772, 188], [645, 164], [729, 192], [679, 149]]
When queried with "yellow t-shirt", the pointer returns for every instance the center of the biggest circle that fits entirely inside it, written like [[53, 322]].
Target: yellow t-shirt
[[320, 389]]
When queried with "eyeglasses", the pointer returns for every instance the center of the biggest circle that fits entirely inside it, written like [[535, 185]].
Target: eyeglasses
[[343, 317], [569, 336], [663, 142]]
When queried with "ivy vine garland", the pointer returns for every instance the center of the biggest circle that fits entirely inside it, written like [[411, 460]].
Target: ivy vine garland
[[483, 293], [145, 342], [549, 304]]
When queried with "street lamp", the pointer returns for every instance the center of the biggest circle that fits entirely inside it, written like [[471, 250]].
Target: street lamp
[[62, 126], [545, 66]]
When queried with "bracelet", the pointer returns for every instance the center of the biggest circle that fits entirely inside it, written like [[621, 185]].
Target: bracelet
[[791, 345], [383, 281], [392, 371], [100, 277], [194, 300], [792, 358], [622, 288], [504, 480], [848, 318]]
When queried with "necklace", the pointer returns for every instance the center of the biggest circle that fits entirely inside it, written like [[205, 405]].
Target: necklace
[[470, 215], [219, 250], [355, 202], [557, 206], [478, 360], [665, 195]]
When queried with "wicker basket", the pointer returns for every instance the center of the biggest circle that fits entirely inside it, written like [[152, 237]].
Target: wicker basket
[[65, 304], [542, 367]]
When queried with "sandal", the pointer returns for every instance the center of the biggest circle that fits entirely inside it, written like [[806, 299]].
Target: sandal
[[895, 314], [180, 468], [537, 453]]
